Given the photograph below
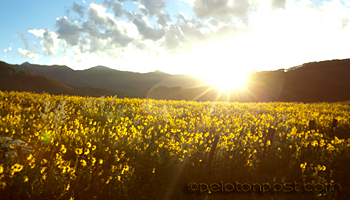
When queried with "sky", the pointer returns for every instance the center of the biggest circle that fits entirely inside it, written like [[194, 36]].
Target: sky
[[213, 39]]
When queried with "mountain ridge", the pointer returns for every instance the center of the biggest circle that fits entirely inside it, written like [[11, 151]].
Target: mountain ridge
[[13, 79], [310, 82], [131, 83]]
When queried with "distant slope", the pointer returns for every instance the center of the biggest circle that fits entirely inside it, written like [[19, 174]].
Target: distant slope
[[13, 79], [326, 81], [130, 83]]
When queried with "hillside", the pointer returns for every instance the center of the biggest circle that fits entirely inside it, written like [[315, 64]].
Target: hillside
[[130, 83], [326, 81], [13, 79]]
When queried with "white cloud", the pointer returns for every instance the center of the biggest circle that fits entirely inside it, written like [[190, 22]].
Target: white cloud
[[31, 55], [7, 50], [228, 34], [38, 33], [49, 40]]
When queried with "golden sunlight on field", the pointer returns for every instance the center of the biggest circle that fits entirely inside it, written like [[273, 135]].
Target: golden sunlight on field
[[69, 147]]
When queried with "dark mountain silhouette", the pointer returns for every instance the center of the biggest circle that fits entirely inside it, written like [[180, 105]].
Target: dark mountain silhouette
[[13, 79], [130, 83], [325, 81]]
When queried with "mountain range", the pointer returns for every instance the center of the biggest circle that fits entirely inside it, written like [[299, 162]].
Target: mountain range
[[324, 81], [130, 83], [13, 79]]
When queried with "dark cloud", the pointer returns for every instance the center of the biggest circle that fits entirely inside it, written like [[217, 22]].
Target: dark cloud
[[116, 6], [154, 7], [103, 31], [78, 9], [163, 18], [116, 38], [146, 31], [278, 4], [49, 42], [90, 28], [143, 10], [67, 31], [113, 35]]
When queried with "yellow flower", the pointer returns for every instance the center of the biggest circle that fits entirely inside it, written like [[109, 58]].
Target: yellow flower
[[43, 161], [1, 169], [87, 151], [83, 162], [30, 157], [26, 179], [314, 143], [78, 151], [89, 144], [2, 185], [93, 147], [101, 161], [268, 143], [17, 167]]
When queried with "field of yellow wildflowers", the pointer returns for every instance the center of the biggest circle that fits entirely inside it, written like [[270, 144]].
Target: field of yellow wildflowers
[[69, 147]]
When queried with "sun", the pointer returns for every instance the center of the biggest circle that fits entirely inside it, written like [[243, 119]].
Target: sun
[[228, 81]]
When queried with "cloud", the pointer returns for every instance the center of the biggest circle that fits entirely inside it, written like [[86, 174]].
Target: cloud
[[78, 9], [224, 10], [278, 4], [7, 50], [172, 38], [67, 31], [255, 34], [164, 19], [25, 40], [49, 40], [116, 6], [97, 14], [29, 54], [38, 33], [103, 29], [145, 30], [154, 7]]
